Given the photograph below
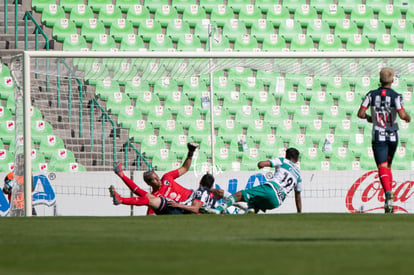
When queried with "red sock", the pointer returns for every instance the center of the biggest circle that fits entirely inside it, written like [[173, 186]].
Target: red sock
[[134, 188], [135, 201], [385, 176]]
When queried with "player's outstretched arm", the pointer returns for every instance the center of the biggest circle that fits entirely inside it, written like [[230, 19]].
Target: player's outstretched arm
[[263, 164], [193, 208], [298, 200], [404, 116], [187, 162]]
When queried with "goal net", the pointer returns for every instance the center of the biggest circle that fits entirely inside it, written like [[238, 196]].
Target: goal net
[[88, 110]]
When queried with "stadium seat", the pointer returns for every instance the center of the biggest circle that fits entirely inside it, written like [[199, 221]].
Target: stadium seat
[[333, 15], [303, 42], [5, 114], [165, 160], [361, 14], [61, 161], [178, 145], [154, 5], [401, 29], [277, 14], [317, 130], [403, 5], [97, 5], [229, 130], [127, 117], [125, 5], [198, 129], [63, 30], [40, 128], [110, 15], [403, 159], [177, 30], [201, 30], [117, 102], [221, 14], [305, 14], [121, 30], [175, 101], [293, 5], [35, 113], [38, 161], [189, 43], [312, 159], [250, 159], [389, 15], [6, 160], [374, 30], [157, 115], [387, 43], [348, 5], [94, 71], [180, 5], [92, 29], [160, 43], [234, 29], [165, 87], [358, 43], [274, 42], [103, 43], [49, 144], [169, 129], [40, 5], [105, 88], [81, 14], [208, 5], [262, 29], [246, 116], [246, 43], [238, 5], [132, 43], [193, 15], [7, 131], [321, 5], [138, 15], [185, 114], [342, 159], [165, 15], [249, 14], [241, 75], [408, 44], [265, 5], [149, 30], [330, 42], [349, 102], [52, 15], [289, 30], [140, 130], [317, 29], [377, 5], [346, 30]]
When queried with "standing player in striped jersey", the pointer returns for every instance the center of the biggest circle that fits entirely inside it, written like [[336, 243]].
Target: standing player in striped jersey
[[385, 104], [273, 192]]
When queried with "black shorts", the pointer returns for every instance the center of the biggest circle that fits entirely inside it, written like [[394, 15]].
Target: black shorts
[[164, 209], [384, 151]]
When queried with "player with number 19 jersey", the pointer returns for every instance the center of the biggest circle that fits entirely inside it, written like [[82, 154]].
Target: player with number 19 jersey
[[286, 177]]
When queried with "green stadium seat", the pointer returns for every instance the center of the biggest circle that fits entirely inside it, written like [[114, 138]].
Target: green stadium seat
[[403, 5], [121, 30], [189, 43], [193, 15], [198, 129], [81, 14], [274, 42], [97, 5], [52, 15], [63, 30], [265, 5], [377, 5], [293, 5], [365, 83], [317, 29], [40, 128], [117, 102], [170, 129], [110, 15], [138, 15], [157, 115], [140, 130], [346, 30], [305, 14], [361, 14], [321, 5], [6, 160], [201, 30], [221, 15], [92, 30], [165, 87], [277, 14], [387, 43], [105, 88], [123, 70], [289, 30], [312, 159], [209, 5], [330, 42], [177, 30], [127, 117], [317, 130], [267, 77], [262, 29], [165, 15], [302, 43], [149, 30], [246, 43], [178, 145], [343, 159], [374, 30], [408, 44], [304, 115], [401, 29], [166, 160], [358, 43], [250, 159], [103, 43], [246, 116], [180, 5], [125, 5], [40, 5], [349, 102], [249, 14], [185, 114], [174, 102], [240, 75], [94, 71], [229, 131], [64, 161], [7, 131], [161, 43], [49, 144], [35, 114], [238, 5], [5, 114], [389, 15], [333, 15], [38, 161], [154, 5], [6, 84], [348, 5], [234, 29], [132, 43]]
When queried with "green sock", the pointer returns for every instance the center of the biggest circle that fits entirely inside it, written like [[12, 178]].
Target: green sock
[[230, 200]]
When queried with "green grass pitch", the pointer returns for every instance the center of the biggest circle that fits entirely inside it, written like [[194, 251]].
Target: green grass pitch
[[208, 244]]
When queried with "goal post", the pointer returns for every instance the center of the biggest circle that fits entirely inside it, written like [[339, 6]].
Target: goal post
[[207, 63]]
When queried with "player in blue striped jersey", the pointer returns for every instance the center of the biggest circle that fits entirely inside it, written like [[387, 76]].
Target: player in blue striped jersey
[[272, 193]]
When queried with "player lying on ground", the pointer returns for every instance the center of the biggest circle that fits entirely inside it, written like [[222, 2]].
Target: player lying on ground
[[273, 192], [166, 186], [198, 201]]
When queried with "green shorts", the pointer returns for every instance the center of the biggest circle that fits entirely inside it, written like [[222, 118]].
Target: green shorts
[[261, 197]]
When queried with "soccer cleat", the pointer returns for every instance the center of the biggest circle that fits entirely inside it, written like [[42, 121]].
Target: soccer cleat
[[389, 202], [116, 198], [118, 169]]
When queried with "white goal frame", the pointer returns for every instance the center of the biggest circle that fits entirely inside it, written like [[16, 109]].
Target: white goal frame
[[28, 55]]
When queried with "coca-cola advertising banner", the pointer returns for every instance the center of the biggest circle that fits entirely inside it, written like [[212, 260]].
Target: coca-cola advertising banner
[[86, 193]]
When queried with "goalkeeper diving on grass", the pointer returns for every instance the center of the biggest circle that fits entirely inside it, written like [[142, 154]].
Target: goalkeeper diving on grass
[[272, 193]]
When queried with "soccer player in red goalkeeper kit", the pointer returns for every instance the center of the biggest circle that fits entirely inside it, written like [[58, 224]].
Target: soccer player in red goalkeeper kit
[[165, 187], [385, 104]]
